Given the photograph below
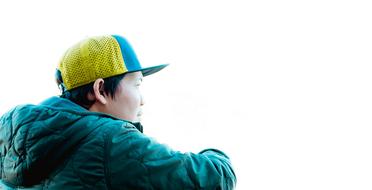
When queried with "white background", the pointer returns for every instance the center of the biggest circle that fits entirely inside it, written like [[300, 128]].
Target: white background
[[283, 87]]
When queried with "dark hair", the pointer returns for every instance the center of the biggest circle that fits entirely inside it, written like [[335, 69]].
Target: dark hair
[[79, 94]]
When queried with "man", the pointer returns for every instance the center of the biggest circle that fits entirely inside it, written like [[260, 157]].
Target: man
[[90, 137]]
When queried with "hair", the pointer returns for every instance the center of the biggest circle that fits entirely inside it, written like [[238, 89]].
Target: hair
[[79, 95]]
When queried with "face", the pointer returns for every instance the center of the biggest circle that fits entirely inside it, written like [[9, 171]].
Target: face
[[127, 101], [128, 98]]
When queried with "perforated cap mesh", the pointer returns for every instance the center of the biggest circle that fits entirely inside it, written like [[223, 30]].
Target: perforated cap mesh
[[90, 59]]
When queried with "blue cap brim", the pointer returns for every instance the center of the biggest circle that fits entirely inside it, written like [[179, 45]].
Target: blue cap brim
[[150, 70]]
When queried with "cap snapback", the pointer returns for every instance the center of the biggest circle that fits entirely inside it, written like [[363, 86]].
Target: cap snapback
[[99, 57]]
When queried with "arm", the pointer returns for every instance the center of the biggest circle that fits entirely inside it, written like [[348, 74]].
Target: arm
[[137, 161]]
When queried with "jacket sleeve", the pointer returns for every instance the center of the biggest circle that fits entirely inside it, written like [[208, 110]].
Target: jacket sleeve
[[135, 161]]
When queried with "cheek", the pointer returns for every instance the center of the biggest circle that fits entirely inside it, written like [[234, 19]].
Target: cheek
[[132, 99]]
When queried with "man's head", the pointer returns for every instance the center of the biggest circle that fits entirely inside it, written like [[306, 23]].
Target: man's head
[[103, 74], [126, 101]]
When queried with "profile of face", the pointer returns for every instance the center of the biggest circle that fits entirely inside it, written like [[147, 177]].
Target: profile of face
[[126, 103]]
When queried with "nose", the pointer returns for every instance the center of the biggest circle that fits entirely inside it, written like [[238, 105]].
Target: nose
[[142, 100]]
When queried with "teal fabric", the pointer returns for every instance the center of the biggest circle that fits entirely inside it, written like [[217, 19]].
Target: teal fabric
[[60, 145]]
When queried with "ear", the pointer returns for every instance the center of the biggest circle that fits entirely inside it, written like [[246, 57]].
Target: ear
[[98, 92]]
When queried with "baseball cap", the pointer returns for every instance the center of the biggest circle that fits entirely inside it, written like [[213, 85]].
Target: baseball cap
[[99, 57]]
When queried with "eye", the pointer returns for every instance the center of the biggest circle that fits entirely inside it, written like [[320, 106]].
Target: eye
[[139, 82]]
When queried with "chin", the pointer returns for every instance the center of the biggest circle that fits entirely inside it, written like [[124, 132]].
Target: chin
[[138, 119]]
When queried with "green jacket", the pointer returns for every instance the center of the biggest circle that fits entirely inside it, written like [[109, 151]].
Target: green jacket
[[60, 145]]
